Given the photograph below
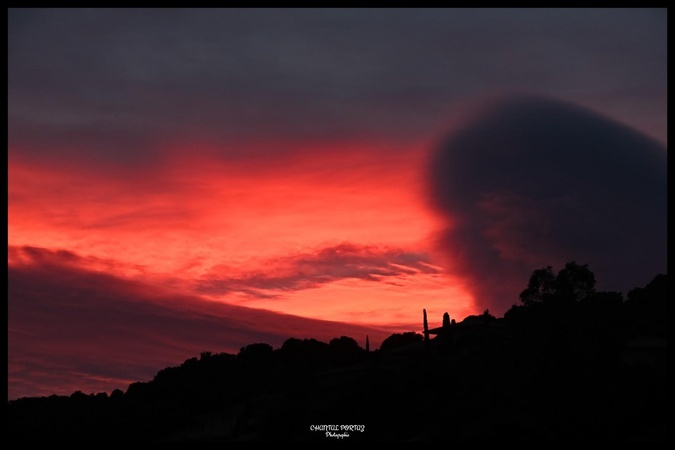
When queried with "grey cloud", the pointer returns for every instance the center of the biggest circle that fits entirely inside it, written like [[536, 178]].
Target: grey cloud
[[309, 270], [119, 79], [70, 328], [531, 182]]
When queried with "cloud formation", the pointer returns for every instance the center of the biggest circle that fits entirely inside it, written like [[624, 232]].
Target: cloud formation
[[70, 328], [181, 145], [116, 84], [309, 270], [530, 181]]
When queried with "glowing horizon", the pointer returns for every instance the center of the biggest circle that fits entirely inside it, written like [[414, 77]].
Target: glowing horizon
[[200, 179], [206, 221]]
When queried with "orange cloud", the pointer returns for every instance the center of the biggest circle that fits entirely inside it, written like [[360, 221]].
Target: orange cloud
[[197, 212]]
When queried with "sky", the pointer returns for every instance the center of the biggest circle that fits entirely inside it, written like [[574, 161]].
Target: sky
[[188, 180]]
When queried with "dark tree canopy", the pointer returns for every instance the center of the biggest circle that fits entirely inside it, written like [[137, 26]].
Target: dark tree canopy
[[648, 306], [540, 286], [256, 355], [397, 340], [573, 283], [345, 350]]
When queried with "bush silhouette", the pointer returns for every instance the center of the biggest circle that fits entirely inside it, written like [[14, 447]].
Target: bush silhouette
[[345, 351], [304, 352], [398, 340], [560, 372]]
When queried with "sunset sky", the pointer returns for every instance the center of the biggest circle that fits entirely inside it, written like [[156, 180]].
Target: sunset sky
[[188, 180]]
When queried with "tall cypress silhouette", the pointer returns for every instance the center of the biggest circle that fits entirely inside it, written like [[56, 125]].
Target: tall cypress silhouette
[[426, 328]]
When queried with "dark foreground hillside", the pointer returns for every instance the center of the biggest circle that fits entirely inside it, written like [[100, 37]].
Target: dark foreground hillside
[[554, 371]]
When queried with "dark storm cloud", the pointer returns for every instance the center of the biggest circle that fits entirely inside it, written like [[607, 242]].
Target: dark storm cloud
[[530, 182], [70, 328], [107, 83], [310, 270]]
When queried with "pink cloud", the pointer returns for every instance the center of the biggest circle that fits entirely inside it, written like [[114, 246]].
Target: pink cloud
[[71, 328]]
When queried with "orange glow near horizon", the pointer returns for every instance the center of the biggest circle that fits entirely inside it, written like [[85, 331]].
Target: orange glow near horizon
[[197, 215]]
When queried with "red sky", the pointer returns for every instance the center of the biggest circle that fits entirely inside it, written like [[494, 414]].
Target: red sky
[[342, 232], [198, 180]]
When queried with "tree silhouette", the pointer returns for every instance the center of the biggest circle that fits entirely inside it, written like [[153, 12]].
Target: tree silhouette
[[426, 327], [446, 321], [573, 283], [647, 306], [304, 352], [256, 355], [571, 362], [397, 340], [345, 350], [540, 286]]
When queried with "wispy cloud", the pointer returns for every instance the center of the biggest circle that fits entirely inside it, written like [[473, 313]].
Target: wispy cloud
[[310, 270], [71, 328]]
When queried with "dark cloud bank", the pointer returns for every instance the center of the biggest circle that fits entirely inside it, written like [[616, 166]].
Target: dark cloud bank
[[71, 328], [529, 182], [113, 85]]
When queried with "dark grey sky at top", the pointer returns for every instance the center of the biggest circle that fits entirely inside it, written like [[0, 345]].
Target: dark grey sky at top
[[109, 82]]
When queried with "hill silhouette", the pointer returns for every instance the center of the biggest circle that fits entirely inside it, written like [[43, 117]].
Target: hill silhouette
[[568, 364]]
